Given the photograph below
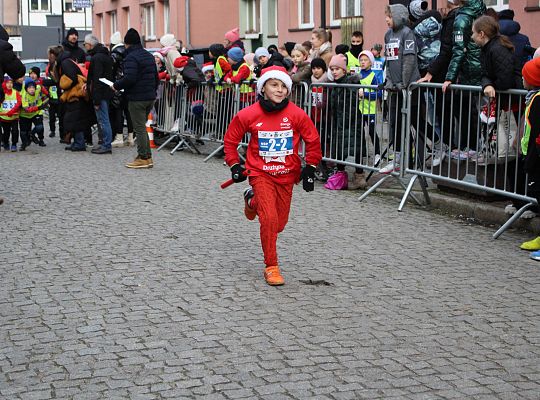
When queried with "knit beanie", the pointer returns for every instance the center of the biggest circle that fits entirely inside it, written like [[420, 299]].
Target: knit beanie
[[197, 108], [29, 82], [289, 46], [272, 49], [207, 67], [417, 8], [342, 49], [180, 62], [72, 31], [132, 37], [35, 70], [319, 63], [116, 38], [167, 40], [531, 72], [8, 78], [236, 54], [339, 61], [369, 55], [274, 72], [261, 51], [217, 50], [233, 35], [506, 14]]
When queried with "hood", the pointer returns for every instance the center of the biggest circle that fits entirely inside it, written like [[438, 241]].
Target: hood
[[474, 8], [99, 49], [428, 28], [119, 48], [508, 27], [400, 15], [3, 34]]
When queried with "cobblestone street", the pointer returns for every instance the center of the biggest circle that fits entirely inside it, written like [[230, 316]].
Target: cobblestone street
[[147, 284]]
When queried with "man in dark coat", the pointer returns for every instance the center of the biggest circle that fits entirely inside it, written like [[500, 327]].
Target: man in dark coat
[[101, 66], [140, 82], [71, 45]]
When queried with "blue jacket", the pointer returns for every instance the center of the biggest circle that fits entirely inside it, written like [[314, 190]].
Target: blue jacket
[[140, 80], [511, 29]]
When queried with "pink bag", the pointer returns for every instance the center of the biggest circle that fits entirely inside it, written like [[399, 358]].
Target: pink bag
[[338, 181]]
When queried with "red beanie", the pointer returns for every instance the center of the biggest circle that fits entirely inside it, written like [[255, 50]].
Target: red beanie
[[181, 62], [531, 72]]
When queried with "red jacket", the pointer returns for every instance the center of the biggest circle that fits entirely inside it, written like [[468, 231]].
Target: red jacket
[[275, 141]]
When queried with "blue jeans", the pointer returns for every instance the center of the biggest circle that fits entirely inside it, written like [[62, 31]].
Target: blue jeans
[[78, 140], [102, 115]]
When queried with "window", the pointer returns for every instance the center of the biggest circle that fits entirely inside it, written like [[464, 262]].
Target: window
[[305, 13], [39, 5], [149, 21], [253, 14], [272, 18], [166, 21], [344, 8], [69, 7], [100, 25], [114, 21], [496, 4], [126, 15]]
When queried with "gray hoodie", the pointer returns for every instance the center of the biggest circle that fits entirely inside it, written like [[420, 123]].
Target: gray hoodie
[[399, 44]]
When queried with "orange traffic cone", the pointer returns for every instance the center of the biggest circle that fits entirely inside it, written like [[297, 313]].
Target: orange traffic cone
[[150, 131]]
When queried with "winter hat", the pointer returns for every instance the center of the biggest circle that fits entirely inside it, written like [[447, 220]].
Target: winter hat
[[531, 72], [207, 67], [167, 40], [340, 61], [132, 37], [342, 49], [181, 62], [289, 46], [29, 82], [506, 14], [272, 48], [72, 31], [35, 70], [217, 49], [7, 78], [369, 55], [319, 63], [417, 8], [274, 72], [377, 46], [158, 55], [249, 58], [233, 35], [116, 38], [236, 54], [261, 51], [197, 108]]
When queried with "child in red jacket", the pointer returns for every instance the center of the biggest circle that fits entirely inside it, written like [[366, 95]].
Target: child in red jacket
[[9, 115], [273, 165]]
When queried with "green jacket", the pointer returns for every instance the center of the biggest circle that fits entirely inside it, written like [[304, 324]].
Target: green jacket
[[465, 65]]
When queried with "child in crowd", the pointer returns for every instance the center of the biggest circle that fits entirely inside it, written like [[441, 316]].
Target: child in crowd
[[160, 65], [240, 72], [380, 73], [32, 104], [273, 165], [221, 66], [319, 113], [357, 44], [353, 66], [208, 71], [286, 51], [9, 115], [301, 71], [530, 143]]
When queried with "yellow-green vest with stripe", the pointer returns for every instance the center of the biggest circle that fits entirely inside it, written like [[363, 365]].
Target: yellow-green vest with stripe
[[527, 127], [218, 73], [368, 106], [9, 102], [353, 65], [244, 87], [31, 101]]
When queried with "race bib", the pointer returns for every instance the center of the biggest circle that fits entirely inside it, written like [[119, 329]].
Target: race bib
[[316, 98], [392, 50], [8, 104], [275, 143]]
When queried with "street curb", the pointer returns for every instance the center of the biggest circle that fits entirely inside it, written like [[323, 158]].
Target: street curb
[[483, 212]]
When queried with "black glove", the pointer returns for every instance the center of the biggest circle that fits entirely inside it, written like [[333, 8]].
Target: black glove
[[308, 178], [237, 173]]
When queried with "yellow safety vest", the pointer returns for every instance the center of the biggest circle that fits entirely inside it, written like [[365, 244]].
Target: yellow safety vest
[[244, 87], [53, 92], [352, 63], [368, 106], [527, 127], [218, 73], [31, 101], [9, 102]]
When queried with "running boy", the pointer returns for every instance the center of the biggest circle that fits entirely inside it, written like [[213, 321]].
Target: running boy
[[9, 115], [277, 127]]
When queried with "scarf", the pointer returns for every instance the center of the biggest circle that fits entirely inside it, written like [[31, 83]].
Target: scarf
[[163, 51], [270, 107], [325, 47]]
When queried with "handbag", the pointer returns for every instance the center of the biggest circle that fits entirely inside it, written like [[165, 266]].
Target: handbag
[[338, 181]]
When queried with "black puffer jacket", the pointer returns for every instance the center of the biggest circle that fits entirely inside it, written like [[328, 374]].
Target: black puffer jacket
[[191, 74], [75, 52], [140, 79], [500, 68], [101, 65], [118, 54], [439, 66], [511, 29], [9, 63]]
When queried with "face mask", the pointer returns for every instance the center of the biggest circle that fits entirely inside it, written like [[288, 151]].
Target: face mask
[[356, 49]]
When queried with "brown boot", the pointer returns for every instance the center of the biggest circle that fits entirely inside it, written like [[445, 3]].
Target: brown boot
[[358, 182], [139, 163]]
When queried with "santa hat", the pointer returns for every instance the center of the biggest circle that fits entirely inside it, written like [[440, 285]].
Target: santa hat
[[167, 40], [531, 72], [181, 62], [369, 55], [274, 72], [207, 67], [233, 35], [116, 38], [158, 55]]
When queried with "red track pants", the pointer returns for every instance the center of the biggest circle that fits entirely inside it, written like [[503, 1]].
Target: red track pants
[[272, 201]]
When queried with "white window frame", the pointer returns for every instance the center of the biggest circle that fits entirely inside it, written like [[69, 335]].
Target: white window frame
[[101, 26], [128, 17], [252, 5], [301, 23], [336, 20], [166, 19], [39, 9], [500, 6], [113, 17], [149, 19]]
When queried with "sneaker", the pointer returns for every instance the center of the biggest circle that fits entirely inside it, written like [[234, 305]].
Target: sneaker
[[118, 141], [535, 255], [101, 150], [249, 212], [13, 148], [273, 276], [139, 163], [528, 214], [376, 160], [462, 154], [392, 166], [531, 245], [510, 209], [52, 134], [41, 143]]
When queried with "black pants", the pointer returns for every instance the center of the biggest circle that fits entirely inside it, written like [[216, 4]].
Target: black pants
[[26, 128], [117, 115], [10, 128], [54, 112]]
